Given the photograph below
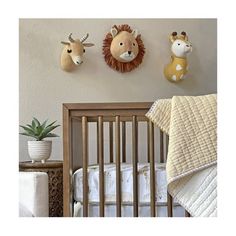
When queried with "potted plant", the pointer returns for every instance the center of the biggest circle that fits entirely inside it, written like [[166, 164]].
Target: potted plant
[[39, 149]]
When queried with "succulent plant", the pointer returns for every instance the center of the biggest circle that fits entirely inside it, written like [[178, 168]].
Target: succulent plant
[[39, 131]]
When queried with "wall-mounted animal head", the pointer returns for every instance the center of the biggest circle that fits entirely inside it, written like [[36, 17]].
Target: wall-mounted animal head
[[180, 44], [72, 53], [176, 70], [123, 48]]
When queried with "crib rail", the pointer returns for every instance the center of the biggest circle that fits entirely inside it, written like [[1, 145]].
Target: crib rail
[[117, 114]]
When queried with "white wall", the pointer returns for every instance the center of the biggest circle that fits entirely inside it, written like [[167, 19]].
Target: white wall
[[44, 86]]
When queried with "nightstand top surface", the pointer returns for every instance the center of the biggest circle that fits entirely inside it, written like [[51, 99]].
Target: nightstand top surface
[[47, 164]]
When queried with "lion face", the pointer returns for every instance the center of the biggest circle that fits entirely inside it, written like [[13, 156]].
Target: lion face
[[124, 47]]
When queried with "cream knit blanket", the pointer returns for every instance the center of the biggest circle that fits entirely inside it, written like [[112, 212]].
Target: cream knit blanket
[[191, 123]]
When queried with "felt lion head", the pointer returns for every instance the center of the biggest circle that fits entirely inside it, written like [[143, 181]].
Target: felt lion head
[[123, 48]]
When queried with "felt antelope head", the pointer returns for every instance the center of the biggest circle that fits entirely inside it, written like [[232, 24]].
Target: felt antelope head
[[176, 70], [72, 53]]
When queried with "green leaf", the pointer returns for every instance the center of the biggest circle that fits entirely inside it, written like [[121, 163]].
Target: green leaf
[[33, 124], [50, 135], [30, 126], [30, 135], [47, 130], [39, 130], [52, 123], [44, 124], [30, 131], [36, 121]]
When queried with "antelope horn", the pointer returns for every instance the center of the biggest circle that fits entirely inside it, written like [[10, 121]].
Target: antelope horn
[[71, 39], [84, 38]]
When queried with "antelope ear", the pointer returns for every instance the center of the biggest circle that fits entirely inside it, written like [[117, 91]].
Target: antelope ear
[[65, 43], [114, 32], [88, 44], [135, 33]]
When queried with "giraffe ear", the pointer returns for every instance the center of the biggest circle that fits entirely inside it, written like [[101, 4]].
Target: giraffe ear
[[184, 35], [173, 37]]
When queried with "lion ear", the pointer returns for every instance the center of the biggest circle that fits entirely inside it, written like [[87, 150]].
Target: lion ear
[[114, 32], [135, 33]]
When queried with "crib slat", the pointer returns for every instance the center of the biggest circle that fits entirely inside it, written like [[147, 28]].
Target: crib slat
[[187, 214], [118, 177], [97, 145], [167, 144], [123, 141], [101, 166], [169, 205], [135, 162], [111, 140], [148, 141], [161, 148], [152, 168], [85, 164]]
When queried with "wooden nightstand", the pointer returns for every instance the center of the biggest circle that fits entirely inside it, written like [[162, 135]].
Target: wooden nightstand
[[54, 169]]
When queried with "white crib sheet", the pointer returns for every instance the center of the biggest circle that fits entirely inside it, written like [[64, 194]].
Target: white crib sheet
[[127, 210], [126, 183]]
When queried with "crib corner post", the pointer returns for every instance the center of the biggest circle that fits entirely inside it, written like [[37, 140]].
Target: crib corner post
[[67, 164], [151, 159], [169, 205]]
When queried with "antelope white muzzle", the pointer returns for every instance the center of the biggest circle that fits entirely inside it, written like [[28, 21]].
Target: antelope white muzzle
[[77, 60]]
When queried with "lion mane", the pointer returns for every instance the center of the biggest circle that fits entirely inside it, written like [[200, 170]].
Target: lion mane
[[117, 65]]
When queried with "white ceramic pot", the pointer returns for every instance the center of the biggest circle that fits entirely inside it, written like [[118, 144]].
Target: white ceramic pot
[[39, 150]]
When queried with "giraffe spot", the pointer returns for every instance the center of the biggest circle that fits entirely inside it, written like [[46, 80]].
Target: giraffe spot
[[179, 67], [174, 77]]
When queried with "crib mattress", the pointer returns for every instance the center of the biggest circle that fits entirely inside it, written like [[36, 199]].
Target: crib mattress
[[126, 183], [127, 210]]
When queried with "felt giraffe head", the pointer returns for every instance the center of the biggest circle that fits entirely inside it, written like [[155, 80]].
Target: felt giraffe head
[[176, 70], [180, 44]]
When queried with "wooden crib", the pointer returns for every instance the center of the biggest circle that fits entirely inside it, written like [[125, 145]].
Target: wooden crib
[[117, 115]]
